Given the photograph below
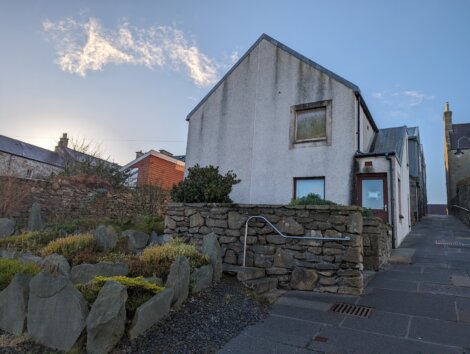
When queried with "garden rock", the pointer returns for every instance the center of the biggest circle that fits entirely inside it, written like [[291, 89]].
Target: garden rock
[[201, 278], [136, 240], [106, 321], [56, 311], [7, 254], [13, 304], [56, 263], [85, 272], [211, 248], [155, 239], [303, 279], [151, 312], [105, 237], [7, 227], [35, 220], [31, 258], [178, 280]]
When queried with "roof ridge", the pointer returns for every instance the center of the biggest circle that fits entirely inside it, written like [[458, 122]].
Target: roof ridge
[[289, 50]]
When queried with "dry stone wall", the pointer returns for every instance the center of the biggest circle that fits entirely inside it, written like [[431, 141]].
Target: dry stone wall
[[62, 199], [319, 265], [377, 241], [463, 200]]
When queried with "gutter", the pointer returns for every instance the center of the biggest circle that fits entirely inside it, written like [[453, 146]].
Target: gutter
[[358, 100], [392, 204], [375, 154]]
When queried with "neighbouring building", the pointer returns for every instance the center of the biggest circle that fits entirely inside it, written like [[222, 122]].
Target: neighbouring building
[[418, 194], [289, 127], [160, 168], [23, 160], [456, 154]]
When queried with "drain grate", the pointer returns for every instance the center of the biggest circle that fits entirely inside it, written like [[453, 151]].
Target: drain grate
[[352, 310]]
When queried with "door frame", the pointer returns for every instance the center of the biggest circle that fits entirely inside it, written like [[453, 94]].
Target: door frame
[[381, 175]]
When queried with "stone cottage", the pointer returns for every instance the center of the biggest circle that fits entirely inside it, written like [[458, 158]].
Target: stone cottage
[[288, 127]]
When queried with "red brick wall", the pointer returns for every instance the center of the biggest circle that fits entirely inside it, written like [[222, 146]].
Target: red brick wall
[[156, 171]]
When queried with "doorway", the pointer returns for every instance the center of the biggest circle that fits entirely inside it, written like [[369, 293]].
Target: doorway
[[372, 193]]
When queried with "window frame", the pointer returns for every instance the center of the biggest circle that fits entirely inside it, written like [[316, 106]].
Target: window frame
[[322, 141], [295, 179]]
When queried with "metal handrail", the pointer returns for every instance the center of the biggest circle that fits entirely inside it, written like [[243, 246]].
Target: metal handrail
[[346, 238], [458, 206]]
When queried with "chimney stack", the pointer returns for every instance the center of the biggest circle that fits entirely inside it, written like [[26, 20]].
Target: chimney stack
[[138, 154], [164, 152], [447, 119], [63, 141]]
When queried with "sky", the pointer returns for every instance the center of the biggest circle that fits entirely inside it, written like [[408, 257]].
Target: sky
[[123, 75]]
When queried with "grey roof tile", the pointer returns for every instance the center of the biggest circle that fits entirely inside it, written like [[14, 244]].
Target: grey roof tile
[[390, 140]]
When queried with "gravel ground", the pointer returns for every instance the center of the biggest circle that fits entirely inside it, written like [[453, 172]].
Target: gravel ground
[[203, 324]]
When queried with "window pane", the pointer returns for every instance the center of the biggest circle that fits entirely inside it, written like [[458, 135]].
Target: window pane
[[373, 193], [304, 187], [311, 124]]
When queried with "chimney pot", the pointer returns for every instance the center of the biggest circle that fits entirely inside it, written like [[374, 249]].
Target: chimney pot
[[138, 154]]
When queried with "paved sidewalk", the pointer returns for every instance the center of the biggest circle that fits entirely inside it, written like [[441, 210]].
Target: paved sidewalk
[[423, 307]]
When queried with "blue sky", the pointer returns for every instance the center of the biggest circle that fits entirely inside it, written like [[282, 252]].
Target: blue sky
[[149, 62]]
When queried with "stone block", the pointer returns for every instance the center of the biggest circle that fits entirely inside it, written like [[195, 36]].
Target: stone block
[[13, 305], [151, 312], [201, 278], [85, 272], [303, 279], [106, 321], [289, 226], [276, 239], [56, 311], [178, 280], [211, 248], [35, 222], [136, 240], [263, 261], [7, 227], [283, 259], [196, 220], [105, 237], [56, 263]]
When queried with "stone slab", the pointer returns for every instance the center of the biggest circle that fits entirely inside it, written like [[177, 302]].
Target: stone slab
[[307, 314], [463, 309], [380, 322], [460, 280], [408, 303], [444, 289], [308, 304], [438, 331], [394, 284], [345, 340], [402, 255]]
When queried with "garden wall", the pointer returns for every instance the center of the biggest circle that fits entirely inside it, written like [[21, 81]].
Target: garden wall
[[66, 199], [334, 266], [377, 241]]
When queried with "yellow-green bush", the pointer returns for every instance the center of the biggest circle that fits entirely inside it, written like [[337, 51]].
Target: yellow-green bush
[[28, 241], [70, 245], [139, 291], [9, 267], [170, 251]]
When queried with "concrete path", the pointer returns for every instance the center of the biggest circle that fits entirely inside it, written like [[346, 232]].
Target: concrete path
[[422, 307]]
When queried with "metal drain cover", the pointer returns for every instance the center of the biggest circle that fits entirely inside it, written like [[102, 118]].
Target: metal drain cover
[[352, 310]]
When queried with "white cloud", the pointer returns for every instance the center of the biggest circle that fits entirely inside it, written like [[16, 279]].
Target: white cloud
[[403, 98], [87, 46]]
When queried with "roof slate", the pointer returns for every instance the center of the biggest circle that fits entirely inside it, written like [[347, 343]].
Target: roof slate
[[390, 140], [31, 152], [460, 132]]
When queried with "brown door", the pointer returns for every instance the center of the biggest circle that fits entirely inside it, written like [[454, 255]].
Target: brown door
[[372, 193]]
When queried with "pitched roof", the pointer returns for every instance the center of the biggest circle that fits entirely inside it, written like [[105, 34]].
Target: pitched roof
[[179, 160], [460, 136], [31, 152], [299, 56], [413, 132], [390, 140]]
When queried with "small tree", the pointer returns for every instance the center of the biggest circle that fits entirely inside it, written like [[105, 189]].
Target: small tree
[[205, 185], [311, 199]]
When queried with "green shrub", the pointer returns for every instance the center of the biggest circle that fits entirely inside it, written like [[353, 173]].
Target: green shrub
[[367, 212], [311, 199], [204, 185], [171, 251], [139, 291], [29, 241], [9, 267], [147, 224], [70, 246]]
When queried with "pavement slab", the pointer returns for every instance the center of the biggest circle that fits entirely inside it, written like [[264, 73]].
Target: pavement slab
[[444, 289], [437, 331], [459, 280], [380, 322]]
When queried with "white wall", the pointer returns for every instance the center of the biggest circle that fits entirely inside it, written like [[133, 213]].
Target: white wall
[[367, 132], [244, 127]]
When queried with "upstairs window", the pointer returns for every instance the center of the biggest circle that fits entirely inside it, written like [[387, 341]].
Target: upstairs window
[[310, 124], [304, 186]]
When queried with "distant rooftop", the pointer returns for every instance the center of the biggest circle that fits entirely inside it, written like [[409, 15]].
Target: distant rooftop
[[390, 140]]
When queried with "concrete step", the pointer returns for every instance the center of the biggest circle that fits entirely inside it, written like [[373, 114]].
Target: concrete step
[[271, 296], [244, 273], [262, 285]]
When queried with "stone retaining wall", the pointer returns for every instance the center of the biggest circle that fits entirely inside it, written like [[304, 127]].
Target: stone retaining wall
[[325, 266], [377, 241], [63, 199], [463, 200]]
